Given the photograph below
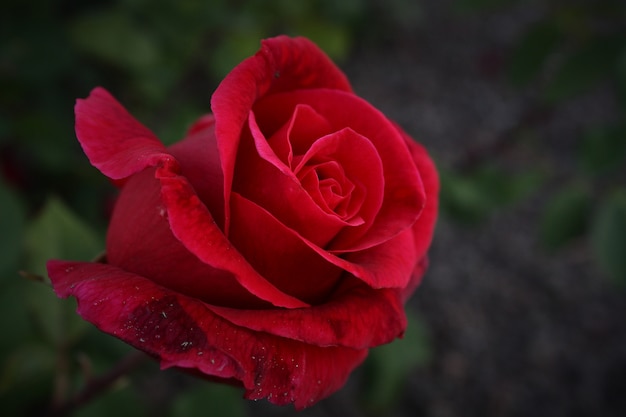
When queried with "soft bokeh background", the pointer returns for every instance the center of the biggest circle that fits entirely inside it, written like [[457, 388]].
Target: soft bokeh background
[[521, 104]]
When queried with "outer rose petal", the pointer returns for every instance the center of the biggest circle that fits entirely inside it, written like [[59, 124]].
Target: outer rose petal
[[183, 332], [121, 146], [193, 225], [113, 140], [424, 227], [356, 316], [282, 64], [140, 240]]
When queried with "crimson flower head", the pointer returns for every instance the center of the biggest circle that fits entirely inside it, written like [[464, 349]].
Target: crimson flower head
[[274, 244]]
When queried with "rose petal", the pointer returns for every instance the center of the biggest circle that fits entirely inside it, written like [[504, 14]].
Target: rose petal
[[282, 64], [121, 146], [140, 240], [356, 316], [416, 279], [113, 140], [193, 225], [279, 191], [424, 227], [362, 166], [404, 193], [199, 162], [388, 265], [279, 255], [183, 332]]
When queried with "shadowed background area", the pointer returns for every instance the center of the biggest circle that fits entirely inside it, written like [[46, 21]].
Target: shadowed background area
[[521, 103]]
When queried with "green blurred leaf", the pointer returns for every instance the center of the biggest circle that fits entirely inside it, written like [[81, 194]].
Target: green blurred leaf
[[388, 366], [11, 225], [233, 49], [58, 233], [332, 39], [26, 364], [608, 236], [603, 149], [470, 197], [54, 320], [583, 68], [222, 400], [531, 52], [120, 401], [112, 36], [566, 216]]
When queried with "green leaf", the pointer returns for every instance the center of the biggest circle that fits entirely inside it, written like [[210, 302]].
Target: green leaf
[[608, 236], [58, 233], [55, 233], [565, 217], [388, 366], [472, 196], [233, 49], [222, 400], [583, 68], [332, 39], [531, 52], [113, 37], [603, 149]]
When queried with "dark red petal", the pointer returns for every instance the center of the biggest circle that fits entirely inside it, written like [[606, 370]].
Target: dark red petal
[[279, 254], [192, 224], [416, 279], [279, 191], [304, 127], [282, 64], [424, 227], [388, 265], [140, 240], [183, 332], [404, 192], [361, 163], [356, 316], [113, 140], [199, 161]]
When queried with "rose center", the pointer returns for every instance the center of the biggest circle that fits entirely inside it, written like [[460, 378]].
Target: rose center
[[328, 186]]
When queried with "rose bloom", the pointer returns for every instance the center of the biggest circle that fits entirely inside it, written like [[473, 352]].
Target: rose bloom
[[274, 244]]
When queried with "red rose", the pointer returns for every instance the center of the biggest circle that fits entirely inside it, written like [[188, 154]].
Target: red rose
[[274, 244]]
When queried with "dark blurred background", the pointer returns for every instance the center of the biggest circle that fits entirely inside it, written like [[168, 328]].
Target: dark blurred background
[[521, 103]]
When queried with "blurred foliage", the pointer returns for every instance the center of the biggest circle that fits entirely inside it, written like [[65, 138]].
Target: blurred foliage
[[471, 196], [388, 367], [223, 400], [162, 59], [573, 48]]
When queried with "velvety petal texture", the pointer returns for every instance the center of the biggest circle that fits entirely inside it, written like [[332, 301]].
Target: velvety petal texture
[[183, 332], [274, 244]]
